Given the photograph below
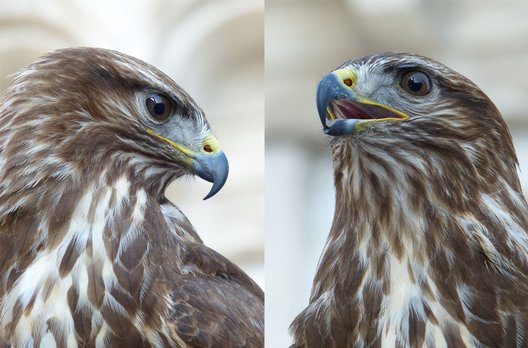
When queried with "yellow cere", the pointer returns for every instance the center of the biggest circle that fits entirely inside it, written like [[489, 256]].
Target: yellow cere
[[210, 145], [346, 76]]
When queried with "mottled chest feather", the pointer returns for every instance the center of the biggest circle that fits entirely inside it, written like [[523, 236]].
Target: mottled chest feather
[[91, 268], [91, 252], [443, 267], [123, 270]]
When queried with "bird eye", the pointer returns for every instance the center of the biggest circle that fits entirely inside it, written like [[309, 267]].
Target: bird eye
[[159, 106], [416, 83]]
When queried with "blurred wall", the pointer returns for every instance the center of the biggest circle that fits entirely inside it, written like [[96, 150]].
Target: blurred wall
[[487, 41], [214, 49]]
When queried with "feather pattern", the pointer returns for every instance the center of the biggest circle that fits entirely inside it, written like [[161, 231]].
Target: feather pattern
[[91, 252], [429, 243]]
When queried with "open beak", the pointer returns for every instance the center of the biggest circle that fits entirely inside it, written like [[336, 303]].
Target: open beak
[[210, 163], [342, 111]]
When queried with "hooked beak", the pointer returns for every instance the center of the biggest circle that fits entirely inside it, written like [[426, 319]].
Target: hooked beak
[[213, 168], [210, 163], [342, 111]]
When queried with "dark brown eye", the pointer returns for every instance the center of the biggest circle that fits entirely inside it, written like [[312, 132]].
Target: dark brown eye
[[416, 83], [159, 106]]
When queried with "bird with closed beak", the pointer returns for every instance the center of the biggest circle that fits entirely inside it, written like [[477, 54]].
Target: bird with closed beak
[[92, 253]]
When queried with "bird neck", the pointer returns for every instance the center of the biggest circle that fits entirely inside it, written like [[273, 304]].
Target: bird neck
[[87, 240], [66, 221], [412, 229], [394, 195]]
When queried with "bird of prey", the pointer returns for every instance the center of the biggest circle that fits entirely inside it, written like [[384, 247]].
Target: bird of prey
[[92, 254], [428, 245]]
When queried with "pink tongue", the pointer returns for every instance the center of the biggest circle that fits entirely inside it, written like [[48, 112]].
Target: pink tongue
[[347, 109], [350, 110]]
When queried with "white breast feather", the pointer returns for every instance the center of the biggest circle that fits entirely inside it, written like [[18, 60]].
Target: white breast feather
[[46, 266]]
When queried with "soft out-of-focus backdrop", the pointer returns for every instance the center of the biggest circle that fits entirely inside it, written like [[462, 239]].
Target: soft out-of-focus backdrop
[[486, 41], [214, 50]]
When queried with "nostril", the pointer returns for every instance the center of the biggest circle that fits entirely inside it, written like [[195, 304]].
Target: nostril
[[207, 148], [348, 82]]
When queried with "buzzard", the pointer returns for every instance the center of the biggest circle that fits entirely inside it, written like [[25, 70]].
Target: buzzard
[[92, 254], [429, 244]]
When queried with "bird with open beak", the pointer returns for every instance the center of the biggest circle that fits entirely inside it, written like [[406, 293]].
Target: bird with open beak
[[429, 242]]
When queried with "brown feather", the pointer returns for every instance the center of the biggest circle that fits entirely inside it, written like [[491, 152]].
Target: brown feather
[[429, 242], [91, 251]]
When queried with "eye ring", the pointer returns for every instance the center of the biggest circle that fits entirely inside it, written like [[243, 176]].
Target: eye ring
[[416, 83], [159, 106]]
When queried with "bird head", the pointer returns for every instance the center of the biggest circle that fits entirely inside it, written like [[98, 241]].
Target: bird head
[[96, 106], [409, 106], [392, 90], [347, 105]]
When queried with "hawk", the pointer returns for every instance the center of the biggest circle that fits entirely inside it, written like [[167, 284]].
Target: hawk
[[428, 245], [92, 254]]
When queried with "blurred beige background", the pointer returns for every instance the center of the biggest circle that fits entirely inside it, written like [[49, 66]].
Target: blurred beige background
[[214, 50], [487, 41]]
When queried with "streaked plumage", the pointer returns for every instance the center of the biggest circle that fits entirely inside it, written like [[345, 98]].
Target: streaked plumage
[[92, 254], [429, 242]]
